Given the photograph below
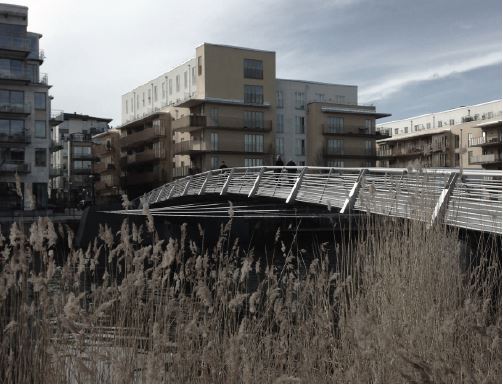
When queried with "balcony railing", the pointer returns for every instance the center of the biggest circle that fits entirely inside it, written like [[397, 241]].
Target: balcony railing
[[21, 75], [145, 156], [14, 167], [479, 141], [198, 121], [15, 108], [15, 44], [187, 147], [485, 158], [43, 79], [22, 137], [142, 136], [352, 132]]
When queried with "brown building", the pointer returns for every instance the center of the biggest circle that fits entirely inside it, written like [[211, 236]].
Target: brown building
[[230, 116], [342, 135], [489, 143], [145, 153], [106, 153]]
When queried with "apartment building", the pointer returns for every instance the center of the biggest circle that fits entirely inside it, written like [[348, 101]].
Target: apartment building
[[226, 106], [342, 135], [24, 114], [71, 177], [106, 152], [465, 137]]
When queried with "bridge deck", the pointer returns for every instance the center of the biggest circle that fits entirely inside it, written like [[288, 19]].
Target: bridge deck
[[469, 199]]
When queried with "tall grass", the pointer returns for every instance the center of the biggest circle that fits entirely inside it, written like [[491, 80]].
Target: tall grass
[[396, 305]]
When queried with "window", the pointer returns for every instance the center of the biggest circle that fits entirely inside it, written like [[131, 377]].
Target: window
[[340, 99], [300, 100], [279, 99], [396, 130], [81, 150], [428, 125], [177, 79], [40, 157], [137, 102], [369, 148], [163, 90], [199, 65], [490, 115], [279, 123], [193, 76], [81, 164], [254, 143], [320, 97], [416, 128], [369, 125], [213, 113], [40, 129], [149, 97], [251, 162], [132, 104], [335, 146], [451, 122], [254, 94], [155, 93], [254, 119], [185, 80], [12, 100], [335, 124], [439, 123], [215, 163], [170, 83], [405, 130], [300, 148], [17, 155], [253, 69], [214, 141], [143, 100], [280, 146], [40, 193], [12, 127], [299, 124], [127, 106], [335, 163]]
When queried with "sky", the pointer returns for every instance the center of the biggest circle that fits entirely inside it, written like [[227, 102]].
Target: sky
[[407, 57]]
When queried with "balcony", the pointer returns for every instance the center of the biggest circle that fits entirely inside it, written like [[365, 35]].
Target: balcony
[[357, 153], [15, 46], [23, 137], [101, 167], [15, 167], [196, 122], [194, 147], [15, 109], [484, 141], [141, 137], [352, 132], [143, 157], [485, 159], [20, 76]]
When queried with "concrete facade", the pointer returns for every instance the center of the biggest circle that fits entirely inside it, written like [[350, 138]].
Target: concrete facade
[[24, 114]]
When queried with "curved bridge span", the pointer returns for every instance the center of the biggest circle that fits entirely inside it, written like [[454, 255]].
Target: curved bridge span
[[468, 199]]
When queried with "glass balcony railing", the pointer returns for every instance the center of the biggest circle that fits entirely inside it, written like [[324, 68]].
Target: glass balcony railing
[[15, 44], [15, 108]]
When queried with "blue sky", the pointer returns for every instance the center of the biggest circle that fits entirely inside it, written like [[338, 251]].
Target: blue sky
[[407, 57]]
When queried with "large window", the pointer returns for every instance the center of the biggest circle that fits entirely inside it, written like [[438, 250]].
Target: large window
[[280, 146], [254, 119], [299, 124], [40, 103], [40, 157], [11, 99], [214, 141], [81, 150], [280, 123], [213, 115], [253, 69], [279, 99], [335, 124], [335, 146], [250, 162], [40, 129], [300, 147], [81, 164], [254, 94], [335, 163], [254, 143], [11, 127], [300, 100], [215, 163]]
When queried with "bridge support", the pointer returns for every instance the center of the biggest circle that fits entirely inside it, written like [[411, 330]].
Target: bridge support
[[227, 182], [353, 193], [293, 193], [254, 189], [443, 199]]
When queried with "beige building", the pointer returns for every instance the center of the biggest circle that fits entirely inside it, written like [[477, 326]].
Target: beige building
[[106, 153], [468, 137], [342, 135]]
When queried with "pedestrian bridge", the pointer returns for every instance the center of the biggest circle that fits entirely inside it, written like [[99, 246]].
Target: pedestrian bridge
[[469, 198]]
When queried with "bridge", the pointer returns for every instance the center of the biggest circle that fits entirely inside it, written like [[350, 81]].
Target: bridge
[[469, 198]]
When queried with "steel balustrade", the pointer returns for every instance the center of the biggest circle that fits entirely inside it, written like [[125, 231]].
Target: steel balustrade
[[468, 199]]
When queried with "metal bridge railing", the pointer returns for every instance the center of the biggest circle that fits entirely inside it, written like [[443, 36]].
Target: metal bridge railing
[[469, 199]]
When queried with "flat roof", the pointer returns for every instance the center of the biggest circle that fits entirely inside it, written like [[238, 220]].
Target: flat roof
[[235, 47], [490, 123], [315, 82], [67, 116]]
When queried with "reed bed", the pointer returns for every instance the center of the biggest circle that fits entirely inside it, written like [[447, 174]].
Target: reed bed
[[402, 302]]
